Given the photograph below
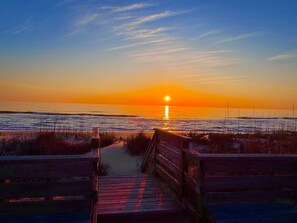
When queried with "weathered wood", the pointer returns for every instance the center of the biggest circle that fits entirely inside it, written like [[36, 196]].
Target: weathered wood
[[80, 217], [173, 182], [134, 198], [230, 157], [27, 190], [172, 134], [248, 196], [148, 154], [192, 185], [236, 183], [245, 166], [45, 186], [171, 138], [167, 164], [170, 154], [43, 207], [47, 169], [46, 158]]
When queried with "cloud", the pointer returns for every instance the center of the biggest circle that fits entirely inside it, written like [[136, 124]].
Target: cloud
[[212, 32], [217, 80], [156, 41], [284, 56], [147, 19], [20, 28], [86, 19], [128, 7], [239, 37], [145, 33]]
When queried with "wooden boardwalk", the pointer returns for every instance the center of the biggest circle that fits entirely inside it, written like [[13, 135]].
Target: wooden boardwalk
[[137, 198]]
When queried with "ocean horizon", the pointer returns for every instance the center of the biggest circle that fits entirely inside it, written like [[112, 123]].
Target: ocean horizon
[[83, 117]]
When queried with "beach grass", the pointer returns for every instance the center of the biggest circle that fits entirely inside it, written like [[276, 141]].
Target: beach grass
[[50, 142], [279, 142], [137, 144]]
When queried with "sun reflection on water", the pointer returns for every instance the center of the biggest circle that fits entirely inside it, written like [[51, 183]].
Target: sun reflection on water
[[166, 113]]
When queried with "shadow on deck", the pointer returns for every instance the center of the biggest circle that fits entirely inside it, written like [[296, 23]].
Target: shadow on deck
[[141, 198]]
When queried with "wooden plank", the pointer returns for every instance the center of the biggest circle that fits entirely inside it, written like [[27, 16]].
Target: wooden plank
[[225, 183], [27, 190], [166, 163], [136, 201], [168, 153], [46, 169], [232, 156], [81, 217], [47, 158], [249, 166], [170, 180], [192, 185], [172, 134], [128, 186], [131, 197], [148, 153], [43, 207], [248, 196], [155, 192], [142, 208]]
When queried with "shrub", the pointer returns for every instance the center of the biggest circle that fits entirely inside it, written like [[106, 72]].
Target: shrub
[[44, 143], [107, 139], [137, 144]]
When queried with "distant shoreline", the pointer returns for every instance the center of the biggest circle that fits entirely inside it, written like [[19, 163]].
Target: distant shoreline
[[63, 113]]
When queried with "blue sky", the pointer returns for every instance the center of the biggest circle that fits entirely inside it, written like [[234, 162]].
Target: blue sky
[[246, 49]]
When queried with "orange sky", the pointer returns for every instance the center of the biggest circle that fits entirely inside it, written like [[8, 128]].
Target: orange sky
[[81, 52]]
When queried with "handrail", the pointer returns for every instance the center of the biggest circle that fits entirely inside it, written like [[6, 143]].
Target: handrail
[[92, 159], [172, 134], [186, 170], [167, 151]]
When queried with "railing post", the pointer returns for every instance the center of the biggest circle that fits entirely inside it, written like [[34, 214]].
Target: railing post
[[95, 150], [183, 166], [155, 151]]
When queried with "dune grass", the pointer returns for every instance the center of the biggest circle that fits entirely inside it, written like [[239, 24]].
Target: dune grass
[[50, 143], [137, 144], [280, 142]]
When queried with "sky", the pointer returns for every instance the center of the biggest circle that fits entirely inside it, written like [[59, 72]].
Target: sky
[[202, 53]]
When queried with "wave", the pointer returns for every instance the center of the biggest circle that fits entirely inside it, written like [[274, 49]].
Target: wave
[[65, 114], [265, 118]]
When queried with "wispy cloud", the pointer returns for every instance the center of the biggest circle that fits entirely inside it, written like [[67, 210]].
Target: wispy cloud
[[238, 37], [147, 19], [210, 33], [20, 28], [154, 41], [86, 19], [145, 33], [284, 56], [140, 38], [128, 7], [217, 80]]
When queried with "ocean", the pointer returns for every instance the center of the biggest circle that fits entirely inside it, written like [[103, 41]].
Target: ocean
[[83, 117]]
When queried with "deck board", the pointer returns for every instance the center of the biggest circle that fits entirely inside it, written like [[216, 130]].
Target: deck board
[[135, 195]]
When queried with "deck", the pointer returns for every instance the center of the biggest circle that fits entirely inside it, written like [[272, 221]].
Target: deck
[[134, 198]]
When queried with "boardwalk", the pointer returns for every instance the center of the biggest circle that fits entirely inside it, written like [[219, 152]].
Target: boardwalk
[[134, 198]]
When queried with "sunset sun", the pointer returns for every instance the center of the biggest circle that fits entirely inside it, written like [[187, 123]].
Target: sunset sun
[[167, 98]]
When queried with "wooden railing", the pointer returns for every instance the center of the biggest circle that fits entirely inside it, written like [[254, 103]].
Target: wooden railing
[[201, 179], [166, 157], [45, 187]]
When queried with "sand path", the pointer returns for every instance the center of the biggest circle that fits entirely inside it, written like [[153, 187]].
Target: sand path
[[119, 160]]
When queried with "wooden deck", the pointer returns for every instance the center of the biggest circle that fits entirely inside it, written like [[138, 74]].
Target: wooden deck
[[137, 198]]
